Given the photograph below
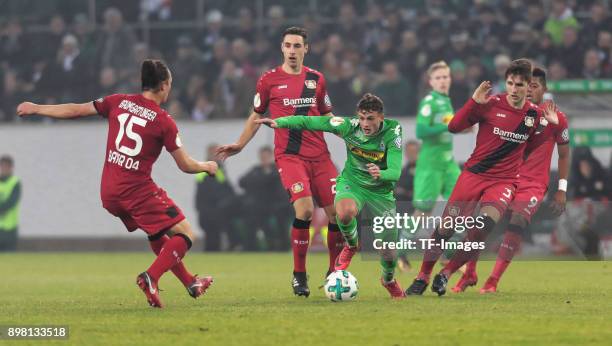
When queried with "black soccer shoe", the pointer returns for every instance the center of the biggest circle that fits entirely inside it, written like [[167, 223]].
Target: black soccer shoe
[[417, 288], [300, 284], [438, 285]]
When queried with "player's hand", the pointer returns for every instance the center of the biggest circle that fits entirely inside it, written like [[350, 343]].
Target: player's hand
[[482, 93], [225, 151], [268, 122], [558, 204], [550, 113], [27, 108], [374, 170], [211, 167]]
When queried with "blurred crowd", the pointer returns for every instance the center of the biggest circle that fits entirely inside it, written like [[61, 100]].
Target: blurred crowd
[[67, 50]]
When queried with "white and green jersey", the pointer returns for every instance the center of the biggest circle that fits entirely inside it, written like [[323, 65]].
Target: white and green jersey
[[435, 112], [383, 148]]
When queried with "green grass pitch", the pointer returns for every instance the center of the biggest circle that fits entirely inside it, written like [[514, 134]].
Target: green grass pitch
[[251, 303]]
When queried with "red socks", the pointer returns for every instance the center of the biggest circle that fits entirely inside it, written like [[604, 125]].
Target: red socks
[[335, 243], [508, 248], [300, 238], [179, 270], [171, 253], [430, 257]]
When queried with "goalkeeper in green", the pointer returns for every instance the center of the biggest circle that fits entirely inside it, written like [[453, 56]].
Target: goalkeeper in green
[[436, 170], [373, 166]]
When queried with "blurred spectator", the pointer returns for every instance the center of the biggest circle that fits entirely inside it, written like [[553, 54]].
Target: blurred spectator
[[395, 91], [588, 179], [561, 17], [349, 41], [188, 62], [203, 108], [240, 53], [502, 62], [265, 204], [404, 188], [245, 29], [12, 95], [347, 25], [345, 90], [115, 42], [567, 52], [598, 21], [592, 65], [73, 70], [13, 46], [536, 18], [460, 91], [213, 32], [556, 71], [50, 40], [411, 57], [216, 204], [233, 92], [275, 23], [10, 196]]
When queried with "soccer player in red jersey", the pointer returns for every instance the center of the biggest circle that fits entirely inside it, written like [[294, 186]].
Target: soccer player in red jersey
[[532, 186], [138, 130], [506, 123], [302, 158]]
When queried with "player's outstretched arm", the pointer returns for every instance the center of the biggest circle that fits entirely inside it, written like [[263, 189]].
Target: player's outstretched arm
[[188, 165], [61, 111], [249, 131], [313, 123]]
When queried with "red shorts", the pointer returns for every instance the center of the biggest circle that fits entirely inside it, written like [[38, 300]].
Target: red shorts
[[527, 199], [302, 178], [473, 190], [153, 213]]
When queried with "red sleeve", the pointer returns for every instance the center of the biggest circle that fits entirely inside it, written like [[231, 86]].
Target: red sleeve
[[562, 129], [172, 141], [468, 115], [262, 96], [104, 104], [323, 101]]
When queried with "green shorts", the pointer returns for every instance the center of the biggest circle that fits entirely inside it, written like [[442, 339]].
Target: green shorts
[[429, 183], [378, 204]]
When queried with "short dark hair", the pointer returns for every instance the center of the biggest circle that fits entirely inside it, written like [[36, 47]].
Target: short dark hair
[[520, 67], [6, 159], [153, 73], [296, 30], [370, 103], [540, 74]]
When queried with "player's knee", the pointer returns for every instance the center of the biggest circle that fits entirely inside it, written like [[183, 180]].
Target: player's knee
[[304, 214], [346, 213], [487, 223]]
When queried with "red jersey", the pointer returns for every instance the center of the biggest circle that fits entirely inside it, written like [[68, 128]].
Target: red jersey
[[537, 165], [503, 132], [283, 94], [138, 129]]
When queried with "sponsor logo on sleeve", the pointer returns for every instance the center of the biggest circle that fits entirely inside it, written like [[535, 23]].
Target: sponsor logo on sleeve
[[257, 100], [310, 84], [565, 135], [336, 121], [426, 110], [398, 142], [327, 101], [178, 141]]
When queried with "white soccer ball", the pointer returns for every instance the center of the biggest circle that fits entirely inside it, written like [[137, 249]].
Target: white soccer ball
[[341, 286]]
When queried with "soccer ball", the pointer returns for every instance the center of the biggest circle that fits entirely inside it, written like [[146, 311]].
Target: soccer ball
[[341, 286]]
